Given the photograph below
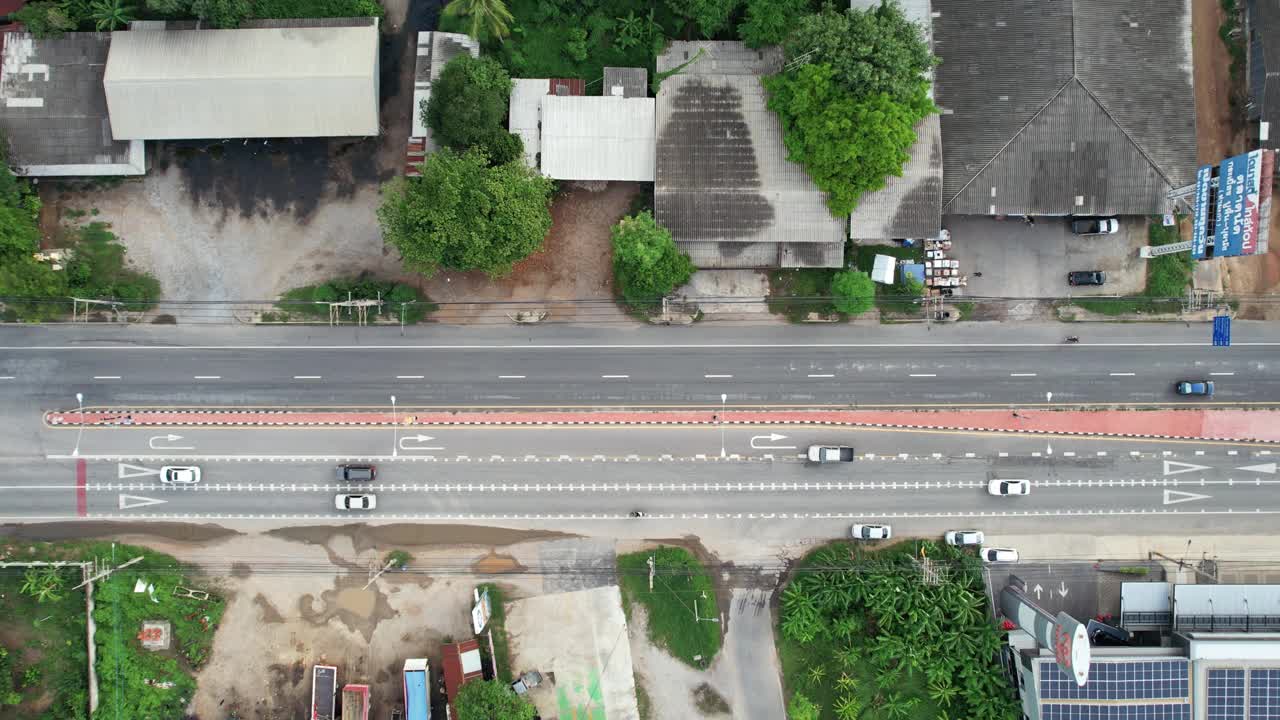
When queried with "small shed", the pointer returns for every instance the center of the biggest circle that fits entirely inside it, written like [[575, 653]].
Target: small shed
[[460, 664], [882, 270]]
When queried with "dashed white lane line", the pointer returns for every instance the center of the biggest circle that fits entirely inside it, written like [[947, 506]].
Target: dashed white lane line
[[1221, 374], [1122, 374], [924, 375], [713, 377], [106, 377], [513, 377], [306, 377], [1022, 374], [410, 377], [6, 377], [821, 375], [614, 377], [206, 377]]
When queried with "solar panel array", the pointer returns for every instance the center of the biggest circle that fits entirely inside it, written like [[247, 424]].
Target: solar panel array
[[1225, 699], [1180, 711], [1141, 680], [1264, 694]]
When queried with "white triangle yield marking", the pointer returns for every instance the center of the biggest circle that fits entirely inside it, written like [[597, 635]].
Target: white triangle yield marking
[[1173, 497], [1269, 468], [127, 471], [1181, 467], [128, 502]]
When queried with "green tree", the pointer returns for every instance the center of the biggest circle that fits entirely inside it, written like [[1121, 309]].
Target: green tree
[[45, 19], [853, 292], [870, 51], [802, 708], [486, 19], [711, 16], [769, 21], [647, 265], [490, 700], [222, 13], [465, 215], [109, 15], [468, 107], [43, 583]]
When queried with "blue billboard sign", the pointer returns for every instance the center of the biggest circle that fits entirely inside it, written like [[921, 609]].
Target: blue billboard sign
[[1200, 219], [1238, 205], [1222, 331]]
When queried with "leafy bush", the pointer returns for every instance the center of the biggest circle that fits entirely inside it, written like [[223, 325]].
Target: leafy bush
[[45, 18], [397, 559], [853, 292], [311, 300], [647, 265], [769, 21], [577, 45], [468, 107], [710, 16]]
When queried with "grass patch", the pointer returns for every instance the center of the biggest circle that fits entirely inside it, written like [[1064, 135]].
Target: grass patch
[[501, 660], [679, 580], [47, 639], [710, 702], [643, 704], [796, 292], [902, 297], [310, 302]]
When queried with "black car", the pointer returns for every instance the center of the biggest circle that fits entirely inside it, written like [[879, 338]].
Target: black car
[[1086, 277], [357, 473]]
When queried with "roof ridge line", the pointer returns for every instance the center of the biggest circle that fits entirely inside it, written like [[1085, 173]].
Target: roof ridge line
[[1124, 131], [1015, 136]]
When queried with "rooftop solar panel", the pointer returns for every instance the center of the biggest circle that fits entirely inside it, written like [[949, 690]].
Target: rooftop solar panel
[[1179, 711], [1264, 694], [1225, 699], [1129, 680]]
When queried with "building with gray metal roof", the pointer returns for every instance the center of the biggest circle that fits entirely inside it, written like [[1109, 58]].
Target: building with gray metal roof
[[597, 138], [257, 82], [1074, 107], [53, 111], [627, 82], [724, 186]]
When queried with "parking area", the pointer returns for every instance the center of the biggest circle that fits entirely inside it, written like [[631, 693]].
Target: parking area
[[1025, 261]]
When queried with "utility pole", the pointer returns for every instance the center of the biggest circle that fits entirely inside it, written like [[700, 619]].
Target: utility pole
[[108, 571]]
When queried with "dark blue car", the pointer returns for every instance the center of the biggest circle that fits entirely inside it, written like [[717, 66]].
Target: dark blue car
[[1187, 387]]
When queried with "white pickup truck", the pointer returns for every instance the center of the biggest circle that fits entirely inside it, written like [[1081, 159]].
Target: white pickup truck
[[830, 453]]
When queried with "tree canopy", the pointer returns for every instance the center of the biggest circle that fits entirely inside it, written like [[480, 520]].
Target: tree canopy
[[486, 19], [853, 292], [464, 214], [711, 16], [468, 108], [849, 111], [647, 265], [491, 700], [769, 21]]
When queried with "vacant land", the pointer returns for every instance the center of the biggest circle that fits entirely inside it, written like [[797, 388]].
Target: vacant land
[[680, 605]]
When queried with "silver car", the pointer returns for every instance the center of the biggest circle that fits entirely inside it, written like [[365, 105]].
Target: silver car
[[870, 532], [998, 555], [961, 538]]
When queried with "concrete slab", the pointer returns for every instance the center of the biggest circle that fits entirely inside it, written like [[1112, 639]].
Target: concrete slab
[[1028, 261], [580, 638], [727, 291]]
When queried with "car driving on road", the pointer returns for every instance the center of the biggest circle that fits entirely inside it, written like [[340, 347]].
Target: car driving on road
[[998, 555], [1009, 487], [180, 474], [355, 501], [961, 538], [870, 532], [830, 453], [357, 473], [1195, 387]]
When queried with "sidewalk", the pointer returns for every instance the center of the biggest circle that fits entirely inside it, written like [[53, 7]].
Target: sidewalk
[[1227, 425]]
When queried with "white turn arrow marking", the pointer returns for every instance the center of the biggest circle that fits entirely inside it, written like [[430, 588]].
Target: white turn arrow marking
[[1173, 497], [128, 502], [1037, 590], [417, 439], [167, 438], [1062, 589], [771, 437], [127, 471], [1173, 467], [1269, 468]]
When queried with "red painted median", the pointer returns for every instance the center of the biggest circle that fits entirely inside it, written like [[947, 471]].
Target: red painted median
[[1233, 425]]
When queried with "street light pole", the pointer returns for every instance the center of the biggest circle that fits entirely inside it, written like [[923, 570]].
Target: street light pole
[[79, 433], [395, 430], [723, 398]]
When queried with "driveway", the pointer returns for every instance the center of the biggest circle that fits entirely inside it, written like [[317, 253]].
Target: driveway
[[1022, 261], [748, 669]]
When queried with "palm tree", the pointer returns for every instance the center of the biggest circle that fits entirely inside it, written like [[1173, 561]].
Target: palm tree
[[43, 584], [485, 18], [848, 707], [110, 14], [943, 693]]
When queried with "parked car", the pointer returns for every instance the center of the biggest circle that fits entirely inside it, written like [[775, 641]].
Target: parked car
[[998, 555], [1195, 387], [1095, 226], [830, 453], [357, 473], [180, 474], [870, 532], [1086, 277], [355, 501], [1009, 487], [961, 538]]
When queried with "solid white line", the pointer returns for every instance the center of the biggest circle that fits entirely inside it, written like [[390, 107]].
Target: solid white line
[[1022, 374], [717, 376], [106, 377], [1223, 373], [207, 377], [638, 346], [409, 377], [1122, 374], [306, 377], [821, 375], [924, 375], [615, 377], [510, 377]]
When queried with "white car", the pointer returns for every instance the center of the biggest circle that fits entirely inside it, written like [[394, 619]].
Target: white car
[[870, 532], [179, 475], [1009, 487], [355, 501], [998, 555], [961, 538]]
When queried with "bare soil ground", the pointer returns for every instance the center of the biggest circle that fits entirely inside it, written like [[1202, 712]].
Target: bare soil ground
[[575, 263]]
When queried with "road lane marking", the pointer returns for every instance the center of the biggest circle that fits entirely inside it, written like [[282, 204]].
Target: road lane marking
[[513, 377], [1173, 497], [106, 377], [1122, 374], [410, 377], [940, 345], [924, 375], [206, 377], [6, 377], [716, 376], [306, 377], [821, 375], [1022, 374], [615, 377], [1223, 373]]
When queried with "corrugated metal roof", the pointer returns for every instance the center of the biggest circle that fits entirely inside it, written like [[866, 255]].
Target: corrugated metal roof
[[524, 113], [597, 138], [278, 82], [634, 82], [724, 186], [1004, 64]]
